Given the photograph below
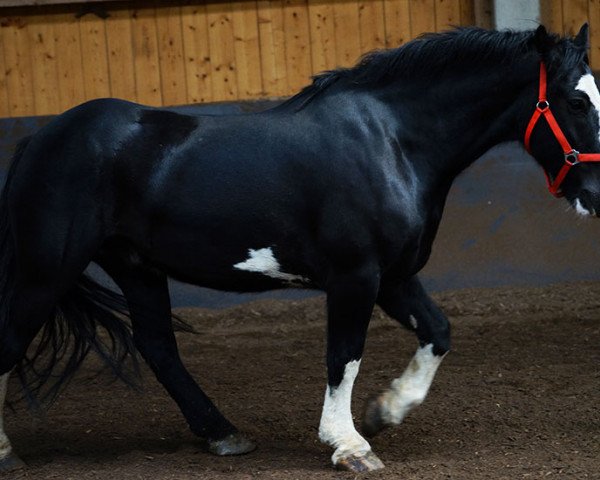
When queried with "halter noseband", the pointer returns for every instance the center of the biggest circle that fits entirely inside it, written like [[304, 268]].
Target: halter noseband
[[572, 156]]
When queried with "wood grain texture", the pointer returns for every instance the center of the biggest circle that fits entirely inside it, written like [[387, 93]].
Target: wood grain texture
[[67, 41], [594, 18], [575, 14], [222, 53], [297, 44], [4, 109], [272, 47], [19, 69], [447, 14], [170, 54], [322, 35], [120, 55], [145, 56], [347, 32], [94, 53], [372, 25], [196, 48], [163, 52], [397, 22], [246, 46], [43, 57]]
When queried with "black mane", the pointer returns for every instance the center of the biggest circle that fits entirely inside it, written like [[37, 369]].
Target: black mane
[[432, 54]]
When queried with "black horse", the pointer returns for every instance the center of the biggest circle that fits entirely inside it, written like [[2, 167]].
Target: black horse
[[340, 188]]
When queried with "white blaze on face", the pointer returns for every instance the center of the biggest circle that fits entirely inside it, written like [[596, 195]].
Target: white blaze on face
[[410, 389], [5, 447], [337, 427], [587, 84], [263, 261]]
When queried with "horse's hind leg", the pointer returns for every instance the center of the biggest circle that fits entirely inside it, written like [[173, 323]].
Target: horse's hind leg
[[8, 460], [410, 305], [147, 294]]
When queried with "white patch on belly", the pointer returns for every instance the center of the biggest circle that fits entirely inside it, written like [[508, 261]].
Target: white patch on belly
[[5, 447], [263, 261], [587, 84], [584, 212], [410, 389], [337, 427]]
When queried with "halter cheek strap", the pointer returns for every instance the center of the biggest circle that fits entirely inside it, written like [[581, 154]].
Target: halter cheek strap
[[572, 156]]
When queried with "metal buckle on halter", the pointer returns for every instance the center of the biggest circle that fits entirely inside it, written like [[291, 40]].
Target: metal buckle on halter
[[542, 105], [572, 157]]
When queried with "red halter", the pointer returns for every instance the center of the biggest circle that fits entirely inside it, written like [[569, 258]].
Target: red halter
[[572, 156]]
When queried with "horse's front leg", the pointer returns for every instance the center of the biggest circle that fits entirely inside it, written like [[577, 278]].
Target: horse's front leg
[[409, 304], [350, 301]]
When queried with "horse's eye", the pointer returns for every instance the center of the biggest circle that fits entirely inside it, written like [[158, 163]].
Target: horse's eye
[[578, 104]]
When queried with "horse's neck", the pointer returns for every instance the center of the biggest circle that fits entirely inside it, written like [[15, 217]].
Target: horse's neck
[[459, 118]]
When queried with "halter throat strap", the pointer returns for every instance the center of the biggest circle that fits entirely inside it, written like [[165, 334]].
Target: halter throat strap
[[571, 156]]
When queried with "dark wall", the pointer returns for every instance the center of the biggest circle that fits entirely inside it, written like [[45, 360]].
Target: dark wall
[[501, 226]]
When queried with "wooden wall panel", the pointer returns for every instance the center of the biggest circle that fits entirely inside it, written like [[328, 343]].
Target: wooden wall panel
[[397, 22], [322, 35], [94, 52], [145, 56], [194, 25], [567, 16], [297, 43], [4, 110], [347, 32], [372, 25], [160, 52], [222, 54], [19, 71], [594, 18], [247, 49], [43, 58], [272, 47], [170, 54], [70, 82]]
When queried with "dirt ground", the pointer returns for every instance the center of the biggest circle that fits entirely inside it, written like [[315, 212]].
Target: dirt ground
[[517, 398]]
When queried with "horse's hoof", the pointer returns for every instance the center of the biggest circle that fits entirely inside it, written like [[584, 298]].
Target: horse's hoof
[[10, 463], [359, 463], [234, 444], [372, 422]]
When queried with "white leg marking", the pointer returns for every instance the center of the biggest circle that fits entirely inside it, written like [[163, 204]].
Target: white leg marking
[[263, 261], [579, 208], [587, 84], [337, 427], [410, 389], [5, 447]]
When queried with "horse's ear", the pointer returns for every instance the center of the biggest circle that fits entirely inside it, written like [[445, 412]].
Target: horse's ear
[[543, 41], [582, 39]]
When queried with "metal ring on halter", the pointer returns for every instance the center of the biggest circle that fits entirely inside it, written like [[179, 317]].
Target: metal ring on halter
[[572, 157], [542, 105]]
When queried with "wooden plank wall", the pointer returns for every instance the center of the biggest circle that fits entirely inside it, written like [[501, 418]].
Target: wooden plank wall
[[174, 52], [567, 16]]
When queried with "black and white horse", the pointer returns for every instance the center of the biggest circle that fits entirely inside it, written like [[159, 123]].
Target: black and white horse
[[341, 188]]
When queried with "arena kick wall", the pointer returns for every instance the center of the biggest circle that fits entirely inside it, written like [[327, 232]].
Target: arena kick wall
[[166, 53]]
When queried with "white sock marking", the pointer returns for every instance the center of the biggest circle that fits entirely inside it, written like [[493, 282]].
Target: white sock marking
[[587, 84], [263, 261], [337, 427], [410, 389], [5, 447]]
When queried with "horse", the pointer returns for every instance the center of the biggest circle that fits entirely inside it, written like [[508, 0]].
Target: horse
[[340, 188]]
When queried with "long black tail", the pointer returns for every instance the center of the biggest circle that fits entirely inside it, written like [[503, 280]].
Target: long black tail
[[90, 317]]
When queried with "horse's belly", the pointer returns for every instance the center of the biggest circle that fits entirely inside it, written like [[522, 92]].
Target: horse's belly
[[234, 262]]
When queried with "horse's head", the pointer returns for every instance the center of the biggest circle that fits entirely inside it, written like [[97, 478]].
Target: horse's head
[[564, 132]]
